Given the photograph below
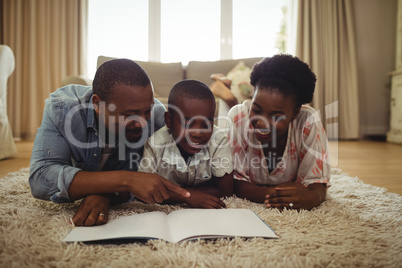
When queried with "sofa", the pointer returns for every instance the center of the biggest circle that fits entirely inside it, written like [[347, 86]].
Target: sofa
[[165, 75]]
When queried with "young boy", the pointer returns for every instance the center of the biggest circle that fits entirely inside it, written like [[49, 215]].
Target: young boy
[[190, 150]]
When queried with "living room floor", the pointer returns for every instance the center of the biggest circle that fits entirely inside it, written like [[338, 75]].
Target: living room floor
[[375, 162]]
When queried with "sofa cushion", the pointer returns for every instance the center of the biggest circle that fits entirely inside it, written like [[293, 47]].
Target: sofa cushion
[[77, 80], [162, 75], [202, 70], [241, 87]]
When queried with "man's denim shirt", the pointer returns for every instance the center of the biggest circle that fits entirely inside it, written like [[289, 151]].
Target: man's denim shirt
[[67, 142]]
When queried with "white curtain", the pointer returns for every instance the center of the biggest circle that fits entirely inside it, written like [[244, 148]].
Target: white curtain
[[48, 38], [326, 41]]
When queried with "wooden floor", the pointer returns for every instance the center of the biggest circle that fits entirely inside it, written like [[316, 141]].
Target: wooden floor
[[375, 162]]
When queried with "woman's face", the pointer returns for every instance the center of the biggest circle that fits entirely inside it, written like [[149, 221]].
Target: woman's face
[[270, 115]]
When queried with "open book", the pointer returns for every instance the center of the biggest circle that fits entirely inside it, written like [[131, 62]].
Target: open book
[[178, 226]]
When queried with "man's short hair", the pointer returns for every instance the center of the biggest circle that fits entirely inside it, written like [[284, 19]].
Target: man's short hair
[[118, 71]]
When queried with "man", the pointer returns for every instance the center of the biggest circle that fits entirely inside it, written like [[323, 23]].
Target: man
[[90, 143]]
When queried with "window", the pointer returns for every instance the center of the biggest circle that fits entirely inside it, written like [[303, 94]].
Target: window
[[256, 24], [183, 30], [190, 30], [117, 29]]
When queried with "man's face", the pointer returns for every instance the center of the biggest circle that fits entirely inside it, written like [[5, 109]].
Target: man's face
[[127, 110]]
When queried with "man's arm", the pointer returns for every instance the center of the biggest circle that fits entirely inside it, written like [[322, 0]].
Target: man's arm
[[148, 187], [98, 190], [51, 170], [52, 173]]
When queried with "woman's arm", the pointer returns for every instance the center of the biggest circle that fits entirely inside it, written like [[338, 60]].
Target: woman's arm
[[282, 195]]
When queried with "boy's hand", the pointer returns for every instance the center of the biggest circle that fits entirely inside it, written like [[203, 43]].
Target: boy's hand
[[152, 188], [200, 199]]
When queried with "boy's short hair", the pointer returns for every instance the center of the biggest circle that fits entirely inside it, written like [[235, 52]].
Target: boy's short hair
[[189, 89], [118, 71]]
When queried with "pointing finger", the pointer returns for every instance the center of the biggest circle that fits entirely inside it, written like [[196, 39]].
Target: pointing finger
[[175, 188]]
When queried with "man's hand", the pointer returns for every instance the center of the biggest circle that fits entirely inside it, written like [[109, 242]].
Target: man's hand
[[152, 188], [94, 210], [200, 199]]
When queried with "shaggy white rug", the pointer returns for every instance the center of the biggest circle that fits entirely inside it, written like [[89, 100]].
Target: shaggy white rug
[[359, 225]]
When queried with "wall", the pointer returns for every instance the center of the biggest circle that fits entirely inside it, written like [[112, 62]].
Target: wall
[[375, 36]]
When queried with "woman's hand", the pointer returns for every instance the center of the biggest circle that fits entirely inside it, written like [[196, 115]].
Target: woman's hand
[[293, 195]]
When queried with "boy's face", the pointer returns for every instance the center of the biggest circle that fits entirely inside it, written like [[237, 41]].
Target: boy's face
[[191, 124]]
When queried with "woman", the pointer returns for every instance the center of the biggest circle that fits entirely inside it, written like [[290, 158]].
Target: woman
[[280, 149]]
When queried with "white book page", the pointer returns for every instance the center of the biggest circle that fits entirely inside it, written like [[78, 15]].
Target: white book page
[[147, 225], [188, 223]]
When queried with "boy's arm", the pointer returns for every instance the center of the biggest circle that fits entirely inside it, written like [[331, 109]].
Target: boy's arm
[[207, 195], [149, 160], [221, 165], [221, 186], [199, 198], [253, 192], [218, 186]]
